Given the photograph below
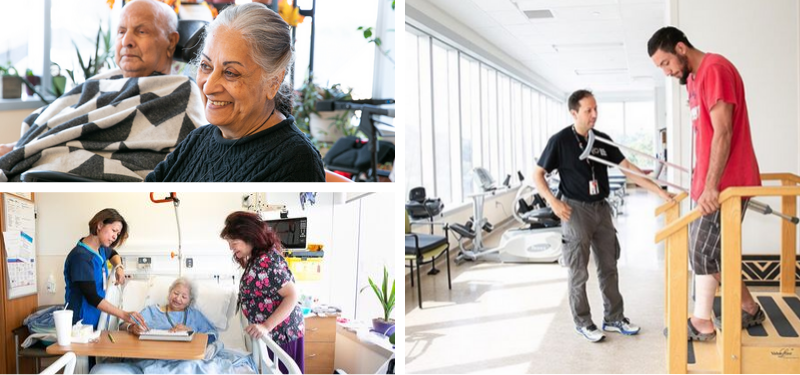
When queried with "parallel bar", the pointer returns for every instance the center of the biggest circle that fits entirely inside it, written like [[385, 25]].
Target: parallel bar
[[788, 244], [731, 276], [666, 206], [672, 214], [777, 318], [677, 345]]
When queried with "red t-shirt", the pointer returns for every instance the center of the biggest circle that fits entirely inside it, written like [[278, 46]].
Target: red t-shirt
[[717, 79]]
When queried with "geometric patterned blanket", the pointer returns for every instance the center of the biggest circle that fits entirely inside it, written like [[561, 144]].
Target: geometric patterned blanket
[[108, 128]]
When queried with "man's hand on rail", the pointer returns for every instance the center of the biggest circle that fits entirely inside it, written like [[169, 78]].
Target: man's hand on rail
[[708, 203], [257, 331], [667, 196], [561, 209]]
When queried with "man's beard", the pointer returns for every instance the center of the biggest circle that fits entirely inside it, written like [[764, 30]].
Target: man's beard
[[684, 70]]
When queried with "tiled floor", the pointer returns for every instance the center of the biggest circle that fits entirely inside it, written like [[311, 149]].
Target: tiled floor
[[514, 318]]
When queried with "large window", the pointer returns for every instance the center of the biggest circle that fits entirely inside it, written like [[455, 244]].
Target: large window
[[464, 113], [341, 54], [631, 124]]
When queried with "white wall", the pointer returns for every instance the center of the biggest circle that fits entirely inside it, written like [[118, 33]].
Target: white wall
[[761, 39], [63, 219]]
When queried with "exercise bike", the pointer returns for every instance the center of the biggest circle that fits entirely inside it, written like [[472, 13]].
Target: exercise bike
[[541, 228], [540, 242]]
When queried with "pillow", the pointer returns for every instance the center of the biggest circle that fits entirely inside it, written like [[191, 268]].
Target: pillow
[[212, 299], [134, 295], [233, 337]]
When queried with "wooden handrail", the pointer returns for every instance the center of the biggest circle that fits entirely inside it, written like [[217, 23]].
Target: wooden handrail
[[758, 191], [754, 191], [666, 206], [780, 177]]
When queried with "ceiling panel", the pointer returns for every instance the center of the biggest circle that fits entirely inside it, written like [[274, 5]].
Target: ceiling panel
[[629, 23]]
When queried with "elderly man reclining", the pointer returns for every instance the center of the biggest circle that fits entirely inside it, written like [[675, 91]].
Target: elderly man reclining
[[118, 125]]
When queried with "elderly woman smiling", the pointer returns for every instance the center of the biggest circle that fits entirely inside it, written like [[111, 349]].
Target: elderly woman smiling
[[246, 53]]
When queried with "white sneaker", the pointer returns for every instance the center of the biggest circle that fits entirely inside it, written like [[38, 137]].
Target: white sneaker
[[591, 333], [623, 326]]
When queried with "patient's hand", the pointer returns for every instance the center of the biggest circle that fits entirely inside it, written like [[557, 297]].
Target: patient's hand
[[179, 328], [6, 148]]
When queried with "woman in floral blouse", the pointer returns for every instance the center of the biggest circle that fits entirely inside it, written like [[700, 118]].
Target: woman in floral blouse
[[267, 293]]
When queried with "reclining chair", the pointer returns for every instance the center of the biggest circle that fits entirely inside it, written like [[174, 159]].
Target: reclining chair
[[188, 47]]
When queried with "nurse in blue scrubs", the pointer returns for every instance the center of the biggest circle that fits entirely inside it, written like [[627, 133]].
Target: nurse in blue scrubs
[[85, 270]]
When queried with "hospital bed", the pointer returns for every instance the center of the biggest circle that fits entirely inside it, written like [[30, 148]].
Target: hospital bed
[[216, 299]]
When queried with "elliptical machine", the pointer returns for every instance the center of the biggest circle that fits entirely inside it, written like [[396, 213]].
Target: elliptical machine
[[540, 243]]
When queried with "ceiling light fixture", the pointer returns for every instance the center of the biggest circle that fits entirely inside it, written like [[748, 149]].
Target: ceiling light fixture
[[598, 72], [586, 46]]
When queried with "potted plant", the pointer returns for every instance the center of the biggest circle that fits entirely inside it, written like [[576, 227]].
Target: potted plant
[[327, 126], [103, 56], [12, 83], [34, 80], [383, 325], [59, 81]]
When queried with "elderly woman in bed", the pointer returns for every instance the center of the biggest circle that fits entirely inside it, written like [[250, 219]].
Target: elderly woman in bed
[[179, 315], [246, 53]]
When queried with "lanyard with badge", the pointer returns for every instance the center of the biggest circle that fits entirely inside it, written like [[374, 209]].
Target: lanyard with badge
[[593, 186]]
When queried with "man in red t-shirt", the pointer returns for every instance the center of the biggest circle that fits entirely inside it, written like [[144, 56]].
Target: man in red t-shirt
[[725, 158]]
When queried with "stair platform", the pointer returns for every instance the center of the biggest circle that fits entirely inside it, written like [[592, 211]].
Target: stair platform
[[773, 347]]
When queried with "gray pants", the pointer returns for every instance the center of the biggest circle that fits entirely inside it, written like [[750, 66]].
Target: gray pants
[[590, 225]]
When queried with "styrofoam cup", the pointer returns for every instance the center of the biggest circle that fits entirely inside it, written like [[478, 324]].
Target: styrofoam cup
[[63, 319]]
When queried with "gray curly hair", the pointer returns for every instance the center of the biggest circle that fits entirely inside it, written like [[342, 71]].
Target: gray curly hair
[[269, 40], [188, 284]]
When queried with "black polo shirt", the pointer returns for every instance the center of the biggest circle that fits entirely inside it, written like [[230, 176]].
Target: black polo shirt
[[563, 152]]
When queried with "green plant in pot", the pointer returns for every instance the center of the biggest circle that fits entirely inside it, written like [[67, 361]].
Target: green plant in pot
[[325, 126], [103, 56], [34, 80], [12, 83], [383, 325]]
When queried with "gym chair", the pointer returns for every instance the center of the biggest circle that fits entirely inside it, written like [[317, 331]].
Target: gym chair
[[425, 246]]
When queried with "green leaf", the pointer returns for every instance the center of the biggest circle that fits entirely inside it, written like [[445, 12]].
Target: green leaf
[[367, 33], [377, 41]]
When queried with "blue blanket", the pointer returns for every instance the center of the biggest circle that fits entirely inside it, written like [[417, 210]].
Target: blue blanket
[[218, 360]]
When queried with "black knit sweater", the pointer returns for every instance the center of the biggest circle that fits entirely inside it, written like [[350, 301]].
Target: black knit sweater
[[281, 153]]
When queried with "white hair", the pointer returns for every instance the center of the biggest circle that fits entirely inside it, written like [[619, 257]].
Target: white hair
[[185, 282]]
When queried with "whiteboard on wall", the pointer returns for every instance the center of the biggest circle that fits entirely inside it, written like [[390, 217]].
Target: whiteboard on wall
[[19, 233]]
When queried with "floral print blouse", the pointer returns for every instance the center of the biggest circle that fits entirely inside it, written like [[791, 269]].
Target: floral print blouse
[[259, 298]]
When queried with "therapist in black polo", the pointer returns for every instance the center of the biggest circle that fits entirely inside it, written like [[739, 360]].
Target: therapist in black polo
[[586, 216], [86, 270]]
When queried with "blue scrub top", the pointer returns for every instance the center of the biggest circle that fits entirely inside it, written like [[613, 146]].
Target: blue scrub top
[[84, 264]]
